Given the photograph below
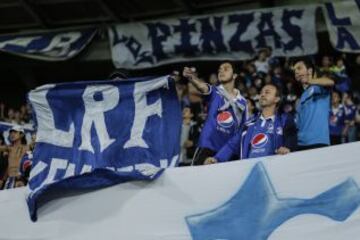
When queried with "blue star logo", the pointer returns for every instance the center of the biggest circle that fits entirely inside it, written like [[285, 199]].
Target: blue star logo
[[255, 211]]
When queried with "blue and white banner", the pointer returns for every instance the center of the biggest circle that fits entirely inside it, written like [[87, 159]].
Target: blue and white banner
[[5, 129], [304, 195], [96, 134], [343, 23], [48, 46], [289, 31]]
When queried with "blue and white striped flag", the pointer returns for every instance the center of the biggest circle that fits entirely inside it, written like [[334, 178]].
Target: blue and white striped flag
[[96, 134]]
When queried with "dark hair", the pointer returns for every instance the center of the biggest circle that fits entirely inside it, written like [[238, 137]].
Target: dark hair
[[233, 65], [23, 139], [308, 62], [337, 92]]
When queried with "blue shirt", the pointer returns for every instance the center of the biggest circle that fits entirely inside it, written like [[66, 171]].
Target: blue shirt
[[337, 120], [350, 112], [313, 116], [222, 121], [260, 137]]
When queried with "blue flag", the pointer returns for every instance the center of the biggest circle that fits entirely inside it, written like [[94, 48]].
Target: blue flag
[[100, 133], [48, 46]]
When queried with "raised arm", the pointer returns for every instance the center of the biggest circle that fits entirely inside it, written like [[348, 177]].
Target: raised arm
[[4, 148], [191, 75], [322, 81]]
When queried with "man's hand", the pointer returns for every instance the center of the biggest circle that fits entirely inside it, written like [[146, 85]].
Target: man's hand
[[188, 143], [210, 160], [189, 73], [282, 151]]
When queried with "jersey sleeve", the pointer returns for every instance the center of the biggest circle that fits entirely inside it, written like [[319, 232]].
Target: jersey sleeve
[[232, 147]]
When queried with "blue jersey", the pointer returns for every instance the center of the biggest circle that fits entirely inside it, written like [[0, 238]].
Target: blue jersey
[[337, 120], [25, 163], [225, 117], [261, 137], [350, 112], [313, 116]]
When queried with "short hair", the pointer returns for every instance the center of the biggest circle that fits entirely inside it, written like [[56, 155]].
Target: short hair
[[308, 62], [233, 65]]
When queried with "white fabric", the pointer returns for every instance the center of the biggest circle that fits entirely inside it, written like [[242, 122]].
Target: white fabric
[[149, 44], [345, 23], [157, 210]]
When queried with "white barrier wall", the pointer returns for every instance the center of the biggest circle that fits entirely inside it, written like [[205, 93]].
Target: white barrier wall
[[305, 195]]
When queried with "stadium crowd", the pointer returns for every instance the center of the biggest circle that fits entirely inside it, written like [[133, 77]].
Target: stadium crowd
[[344, 113], [247, 102]]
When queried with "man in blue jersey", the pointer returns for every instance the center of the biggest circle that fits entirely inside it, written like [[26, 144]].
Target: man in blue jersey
[[267, 134], [227, 111], [314, 105], [337, 119]]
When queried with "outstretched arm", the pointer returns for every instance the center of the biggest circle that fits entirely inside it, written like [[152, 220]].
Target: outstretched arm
[[191, 75], [322, 81]]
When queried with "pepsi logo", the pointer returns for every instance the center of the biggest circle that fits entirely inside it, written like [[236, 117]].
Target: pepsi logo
[[259, 140], [225, 119]]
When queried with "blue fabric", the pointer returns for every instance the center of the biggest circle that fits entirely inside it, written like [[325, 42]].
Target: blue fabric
[[350, 112], [262, 140], [282, 133], [47, 46], [221, 123], [337, 121], [59, 164], [313, 116]]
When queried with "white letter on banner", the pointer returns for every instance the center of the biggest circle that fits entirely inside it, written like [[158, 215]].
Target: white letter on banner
[[47, 132], [94, 113], [55, 165], [63, 43], [143, 111]]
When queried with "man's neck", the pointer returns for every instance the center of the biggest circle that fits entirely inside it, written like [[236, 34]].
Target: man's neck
[[336, 105], [268, 111], [229, 87], [305, 85], [187, 121], [17, 143]]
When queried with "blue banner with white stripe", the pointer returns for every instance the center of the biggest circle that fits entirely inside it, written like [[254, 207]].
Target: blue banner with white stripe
[[54, 46], [100, 133]]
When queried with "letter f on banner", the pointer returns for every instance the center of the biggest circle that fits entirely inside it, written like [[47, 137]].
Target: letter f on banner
[[143, 111]]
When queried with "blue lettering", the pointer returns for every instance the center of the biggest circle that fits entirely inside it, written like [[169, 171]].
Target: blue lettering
[[243, 22], [158, 33], [211, 35], [336, 21], [293, 31], [344, 36], [185, 47], [266, 21]]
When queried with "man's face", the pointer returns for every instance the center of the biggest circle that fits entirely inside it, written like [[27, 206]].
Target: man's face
[[326, 61], [302, 73], [14, 136], [335, 98], [268, 96], [187, 113], [226, 73]]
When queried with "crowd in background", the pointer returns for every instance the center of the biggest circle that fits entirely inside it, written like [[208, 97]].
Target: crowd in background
[[344, 117], [252, 75], [12, 115]]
